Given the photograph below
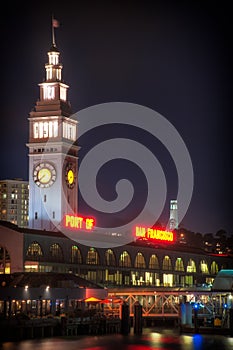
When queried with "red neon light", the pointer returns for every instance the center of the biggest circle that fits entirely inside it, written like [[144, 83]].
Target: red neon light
[[154, 234], [79, 222]]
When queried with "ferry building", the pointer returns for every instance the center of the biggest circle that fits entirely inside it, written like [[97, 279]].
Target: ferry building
[[152, 259]]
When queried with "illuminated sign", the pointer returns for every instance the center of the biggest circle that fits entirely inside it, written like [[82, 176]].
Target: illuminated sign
[[154, 234], [79, 222]]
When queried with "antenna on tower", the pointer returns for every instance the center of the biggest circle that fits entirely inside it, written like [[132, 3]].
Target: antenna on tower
[[55, 24]]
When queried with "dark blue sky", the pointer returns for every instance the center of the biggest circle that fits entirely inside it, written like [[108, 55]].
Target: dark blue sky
[[174, 57]]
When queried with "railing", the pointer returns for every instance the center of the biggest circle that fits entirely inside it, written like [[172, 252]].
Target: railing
[[166, 303]]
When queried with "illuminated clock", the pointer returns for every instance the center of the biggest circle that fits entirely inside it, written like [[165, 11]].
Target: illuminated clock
[[44, 174], [70, 175]]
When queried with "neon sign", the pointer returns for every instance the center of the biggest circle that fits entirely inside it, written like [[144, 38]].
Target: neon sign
[[79, 222], [154, 234]]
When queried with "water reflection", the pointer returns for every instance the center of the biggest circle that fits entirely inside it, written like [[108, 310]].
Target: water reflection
[[164, 340]]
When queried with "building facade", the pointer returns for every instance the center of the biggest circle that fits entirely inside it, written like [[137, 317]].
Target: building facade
[[135, 264], [14, 196]]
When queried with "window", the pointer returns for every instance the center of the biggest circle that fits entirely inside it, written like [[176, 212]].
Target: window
[[204, 267], [153, 263], [56, 251], [45, 129], [92, 257], [5, 264], [125, 260], [63, 93], [53, 58], [167, 280], [69, 131], [191, 267], [140, 261], [76, 256], [49, 91], [110, 259], [214, 268], [34, 249], [179, 265], [167, 265]]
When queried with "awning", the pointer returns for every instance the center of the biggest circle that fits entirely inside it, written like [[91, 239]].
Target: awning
[[111, 301], [92, 300], [106, 301]]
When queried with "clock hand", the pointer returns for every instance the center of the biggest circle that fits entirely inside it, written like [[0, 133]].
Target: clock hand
[[40, 178]]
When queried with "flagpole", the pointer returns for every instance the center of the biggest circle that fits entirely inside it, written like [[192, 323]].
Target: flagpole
[[53, 34]]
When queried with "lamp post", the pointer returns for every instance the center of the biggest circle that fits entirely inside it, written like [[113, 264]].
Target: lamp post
[[195, 308]]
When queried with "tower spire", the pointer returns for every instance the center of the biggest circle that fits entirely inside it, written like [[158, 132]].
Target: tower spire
[[52, 131]]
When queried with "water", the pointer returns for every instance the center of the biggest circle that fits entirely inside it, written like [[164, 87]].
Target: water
[[165, 339]]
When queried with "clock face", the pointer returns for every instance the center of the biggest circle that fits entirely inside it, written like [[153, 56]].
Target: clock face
[[44, 175], [70, 175]]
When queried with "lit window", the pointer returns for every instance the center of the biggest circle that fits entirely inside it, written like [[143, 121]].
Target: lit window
[[214, 268], [167, 265], [63, 93], [179, 265], [191, 267], [49, 92], [92, 257], [56, 251], [204, 267], [34, 249], [76, 257], [140, 261], [125, 260], [110, 259]]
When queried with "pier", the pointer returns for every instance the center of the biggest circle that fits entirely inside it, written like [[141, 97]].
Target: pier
[[196, 310], [190, 309]]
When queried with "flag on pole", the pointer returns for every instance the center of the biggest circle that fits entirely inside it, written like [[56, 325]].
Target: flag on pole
[[56, 23]]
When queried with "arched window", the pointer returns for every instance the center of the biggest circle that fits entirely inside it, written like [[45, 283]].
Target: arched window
[[125, 260], [204, 267], [153, 263], [167, 264], [34, 250], [5, 263], [110, 259], [92, 257], [140, 261], [214, 268], [55, 251], [179, 264], [191, 267], [76, 257]]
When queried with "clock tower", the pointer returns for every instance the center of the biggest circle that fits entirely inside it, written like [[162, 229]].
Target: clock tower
[[53, 151]]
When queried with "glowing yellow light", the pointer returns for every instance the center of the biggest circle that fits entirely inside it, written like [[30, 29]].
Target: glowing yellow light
[[70, 176]]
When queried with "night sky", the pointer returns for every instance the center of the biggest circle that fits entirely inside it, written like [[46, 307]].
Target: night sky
[[173, 57]]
